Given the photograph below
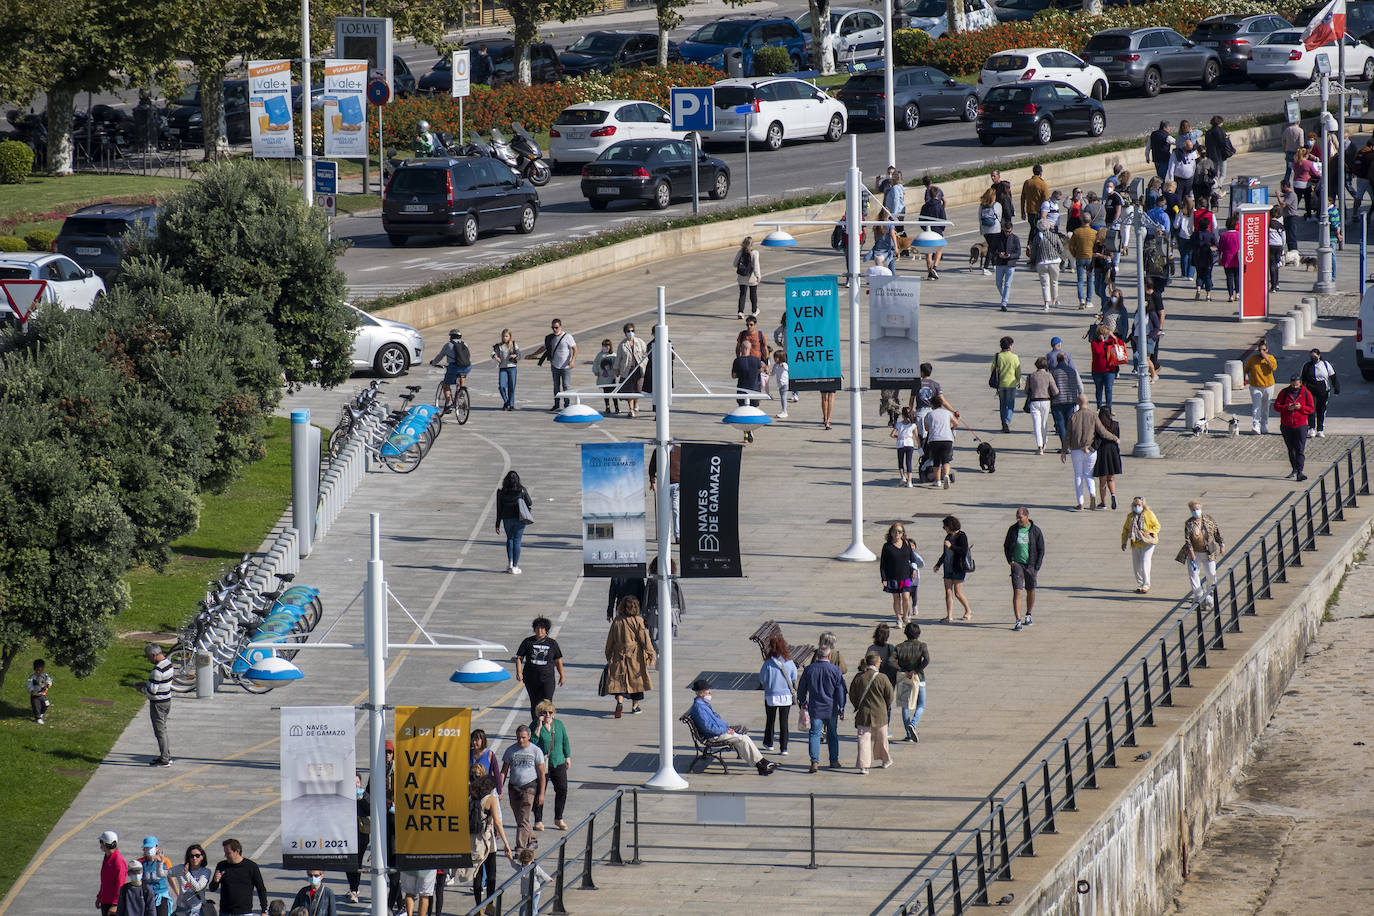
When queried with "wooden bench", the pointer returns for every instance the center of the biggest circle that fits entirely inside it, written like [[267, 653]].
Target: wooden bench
[[707, 749], [764, 635]]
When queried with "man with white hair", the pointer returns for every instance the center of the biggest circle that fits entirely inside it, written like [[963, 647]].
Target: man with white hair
[[158, 688], [717, 731], [880, 266], [1082, 428]]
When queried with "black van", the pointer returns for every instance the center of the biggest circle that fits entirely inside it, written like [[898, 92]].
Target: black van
[[457, 198], [94, 236]]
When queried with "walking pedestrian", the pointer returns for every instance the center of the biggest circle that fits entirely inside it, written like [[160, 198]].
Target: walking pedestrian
[[1183, 167], [506, 355], [1034, 192], [629, 655], [1289, 198], [237, 878], [484, 828], [957, 561], [1154, 332], [653, 620], [1057, 350], [37, 687], [1082, 429], [746, 370], [524, 767], [1081, 250], [748, 274], [1259, 375], [1047, 251], [1158, 146], [717, 731], [560, 350], [1182, 223], [778, 675], [911, 656], [515, 509], [781, 379], [882, 646], [1107, 465], [894, 201], [1108, 350], [1276, 245], [190, 880], [934, 209], [1202, 547], [1040, 390], [1218, 144], [990, 225], [1295, 407], [1004, 258], [821, 690], [135, 897], [939, 440], [603, 367], [1228, 255], [1140, 532], [923, 396], [156, 871], [363, 799], [871, 695], [1064, 402], [114, 872], [539, 664], [1291, 141], [1005, 376], [904, 431], [675, 496], [1319, 378], [1024, 549], [629, 367], [896, 566], [827, 639], [158, 689], [317, 899], [1204, 253], [551, 737]]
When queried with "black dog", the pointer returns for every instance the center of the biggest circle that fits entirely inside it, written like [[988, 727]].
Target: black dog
[[987, 458]]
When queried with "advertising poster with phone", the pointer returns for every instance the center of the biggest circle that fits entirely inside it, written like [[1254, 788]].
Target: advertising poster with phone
[[270, 119], [345, 111], [319, 809]]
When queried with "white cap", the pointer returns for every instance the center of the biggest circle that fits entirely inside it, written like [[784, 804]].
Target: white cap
[[109, 838]]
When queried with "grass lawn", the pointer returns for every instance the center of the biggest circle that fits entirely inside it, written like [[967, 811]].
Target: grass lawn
[[41, 202], [46, 765]]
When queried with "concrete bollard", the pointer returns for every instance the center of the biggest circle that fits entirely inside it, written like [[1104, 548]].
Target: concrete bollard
[[1236, 369], [1310, 309], [1209, 402], [1288, 332], [1217, 396], [1193, 413], [1224, 381], [1299, 317]]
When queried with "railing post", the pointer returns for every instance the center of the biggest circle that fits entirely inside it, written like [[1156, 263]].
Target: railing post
[[930, 897], [1109, 758], [1027, 835], [1004, 873], [1148, 715], [1128, 739], [958, 889], [1201, 660], [1311, 543], [1166, 684], [1364, 470], [587, 883], [1090, 759], [1184, 678], [1264, 577], [1297, 538], [1218, 639], [558, 879], [1070, 790], [636, 860], [813, 831], [981, 895], [1326, 510], [1339, 513], [615, 858], [1234, 625]]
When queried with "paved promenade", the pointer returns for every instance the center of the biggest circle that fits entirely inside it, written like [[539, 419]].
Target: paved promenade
[[993, 693]]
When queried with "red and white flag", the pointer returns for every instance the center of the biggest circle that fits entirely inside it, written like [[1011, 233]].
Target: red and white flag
[[1327, 25]]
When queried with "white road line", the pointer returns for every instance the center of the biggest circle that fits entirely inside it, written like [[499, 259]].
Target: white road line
[[572, 595], [271, 839], [368, 270]]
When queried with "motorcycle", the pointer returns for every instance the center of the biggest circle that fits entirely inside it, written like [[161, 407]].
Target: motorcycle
[[529, 157]]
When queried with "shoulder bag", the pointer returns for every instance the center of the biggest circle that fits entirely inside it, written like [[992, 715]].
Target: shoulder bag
[[994, 374], [526, 514]]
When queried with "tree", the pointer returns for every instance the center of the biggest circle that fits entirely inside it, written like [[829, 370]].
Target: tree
[[956, 14], [823, 53], [668, 18], [526, 15], [242, 234], [1092, 7]]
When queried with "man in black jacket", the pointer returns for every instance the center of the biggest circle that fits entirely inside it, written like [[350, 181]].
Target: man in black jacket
[[1006, 251], [1158, 148], [912, 656], [236, 878], [1024, 548]]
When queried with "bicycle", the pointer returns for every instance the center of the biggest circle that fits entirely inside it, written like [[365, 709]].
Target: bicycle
[[461, 406]]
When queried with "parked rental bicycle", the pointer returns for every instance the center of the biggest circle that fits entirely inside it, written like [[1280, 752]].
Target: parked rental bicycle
[[399, 439]]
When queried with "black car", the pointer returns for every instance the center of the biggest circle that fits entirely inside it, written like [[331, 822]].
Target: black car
[[653, 171], [456, 198], [1233, 37], [184, 118], [918, 94], [1022, 10], [1038, 110], [544, 66], [94, 236], [602, 52]]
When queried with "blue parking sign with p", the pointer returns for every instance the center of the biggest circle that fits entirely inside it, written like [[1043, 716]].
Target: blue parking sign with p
[[693, 108]]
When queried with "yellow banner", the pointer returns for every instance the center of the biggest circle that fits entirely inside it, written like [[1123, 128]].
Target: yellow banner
[[432, 753]]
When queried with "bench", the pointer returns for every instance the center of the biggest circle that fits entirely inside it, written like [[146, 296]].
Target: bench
[[764, 635], [707, 749]]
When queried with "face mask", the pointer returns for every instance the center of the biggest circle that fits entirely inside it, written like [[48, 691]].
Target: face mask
[[1197, 513], [358, 790], [1138, 509], [315, 880], [630, 334]]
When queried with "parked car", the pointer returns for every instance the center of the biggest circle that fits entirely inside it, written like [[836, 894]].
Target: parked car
[[786, 109], [603, 51], [184, 119], [403, 81], [1282, 56], [1038, 110], [583, 131], [1364, 337], [1022, 10], [855, 35], [1359, 18], [653, 172], [931, 16], [919, 94], [709, 44], [1234, 37], [1148, 59], [544, 65], [94, 236], [386, 347], [68, 284], [456, 198], [1055, 64]]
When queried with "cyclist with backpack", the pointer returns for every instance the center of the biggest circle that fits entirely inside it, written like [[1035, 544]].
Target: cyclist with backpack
[[457, 362]]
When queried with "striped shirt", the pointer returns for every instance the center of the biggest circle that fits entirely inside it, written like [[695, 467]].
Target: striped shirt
[[160, 681]]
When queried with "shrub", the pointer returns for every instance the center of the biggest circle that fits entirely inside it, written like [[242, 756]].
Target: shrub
[[40, 239], [13, 243], [909, 44], [771, 60], [16, 162]]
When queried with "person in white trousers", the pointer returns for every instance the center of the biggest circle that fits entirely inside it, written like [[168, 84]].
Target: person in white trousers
[[1140, 533], [1040, 389], [1202, 547], [1083, 427], [1259, 375]]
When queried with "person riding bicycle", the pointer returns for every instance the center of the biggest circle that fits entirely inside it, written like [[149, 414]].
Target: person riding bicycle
[[426, 143], [458, 363]]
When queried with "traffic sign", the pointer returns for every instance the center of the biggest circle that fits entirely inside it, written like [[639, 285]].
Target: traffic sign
[[326, 202], [23, 295], [378, 92], [693, 108], [462, 73], [326, 177], [748, 108]]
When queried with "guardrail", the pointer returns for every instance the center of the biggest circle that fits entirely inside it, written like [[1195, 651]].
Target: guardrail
[[1045, 789]]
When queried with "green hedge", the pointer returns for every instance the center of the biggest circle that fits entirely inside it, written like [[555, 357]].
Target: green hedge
[[771, 60], [16, 162], [40, 239], [9, 243]]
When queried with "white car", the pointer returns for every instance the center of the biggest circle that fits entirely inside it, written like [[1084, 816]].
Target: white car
[[855, 35], [930, 16], [67, 283], [582, 132], [786, 109], [386, 347], [1043, 64], [1281, 56]]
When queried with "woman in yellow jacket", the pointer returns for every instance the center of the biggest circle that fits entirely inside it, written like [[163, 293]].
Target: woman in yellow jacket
[[1140, 532]]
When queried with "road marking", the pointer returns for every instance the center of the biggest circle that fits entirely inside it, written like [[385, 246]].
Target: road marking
[[368, 270]]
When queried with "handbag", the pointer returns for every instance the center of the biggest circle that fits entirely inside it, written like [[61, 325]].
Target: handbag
[[804, 719], [993, 373], [526, 515], [969, 565], [1111, 242], [1118, 352], [605, 677]]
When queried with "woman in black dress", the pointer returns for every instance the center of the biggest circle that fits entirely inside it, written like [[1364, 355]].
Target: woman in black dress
[[895, 569], [1108, 459], [955, 561]]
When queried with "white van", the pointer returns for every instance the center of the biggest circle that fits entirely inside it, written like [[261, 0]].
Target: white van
[[1364, 336]]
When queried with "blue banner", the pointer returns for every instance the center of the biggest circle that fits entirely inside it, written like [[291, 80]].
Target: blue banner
[[813, 333], [613, 513]]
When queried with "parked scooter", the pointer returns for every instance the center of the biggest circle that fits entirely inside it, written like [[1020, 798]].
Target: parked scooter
[[529, 157]]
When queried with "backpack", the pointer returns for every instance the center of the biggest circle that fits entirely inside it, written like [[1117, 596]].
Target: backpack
[[988, 223], [744, 264], [462, 357]]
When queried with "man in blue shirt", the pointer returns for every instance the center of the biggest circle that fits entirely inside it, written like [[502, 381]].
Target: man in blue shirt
[[718, 731], [822, 692]]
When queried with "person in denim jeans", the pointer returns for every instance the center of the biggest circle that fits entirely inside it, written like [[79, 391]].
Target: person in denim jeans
[[1007, 366], [1081, 250], [1004, 258], [1069, 388], [1104, 372], [821, 690]]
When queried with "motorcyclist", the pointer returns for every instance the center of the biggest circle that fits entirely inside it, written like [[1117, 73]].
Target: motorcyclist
[[426, 143], [458, 362]]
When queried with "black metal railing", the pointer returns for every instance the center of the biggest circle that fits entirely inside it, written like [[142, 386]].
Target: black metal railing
[[1043, 790]]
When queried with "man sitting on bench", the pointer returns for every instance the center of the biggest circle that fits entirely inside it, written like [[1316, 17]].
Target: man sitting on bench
[[717, 731]]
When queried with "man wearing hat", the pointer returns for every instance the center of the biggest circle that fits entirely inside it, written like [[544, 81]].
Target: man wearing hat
[[718, 731], [113, 873], [1295, 405]]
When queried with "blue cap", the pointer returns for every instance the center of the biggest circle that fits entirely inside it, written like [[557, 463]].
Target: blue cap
[[1055, 341], [150, 841]]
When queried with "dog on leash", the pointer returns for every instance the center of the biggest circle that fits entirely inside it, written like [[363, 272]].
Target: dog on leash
[[1308, 262], [987, 457], [977, 251], [1291, 258], [1233, 428], [903, 243], [890, 405]]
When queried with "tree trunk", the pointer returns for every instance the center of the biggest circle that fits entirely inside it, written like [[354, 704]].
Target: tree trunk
[[522, 62], [211, 76], [61, 103], [1092, 7], [663, 46], [957, 16], [7, 656], [822, 54]]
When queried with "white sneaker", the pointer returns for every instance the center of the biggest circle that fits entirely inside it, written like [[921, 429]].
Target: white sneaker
[[795, 398], [510, 566], [887, 763], [783, 415], [986, 272], [515, 570], [352, 896], [40, 720], [863, 771], [1321, 434]]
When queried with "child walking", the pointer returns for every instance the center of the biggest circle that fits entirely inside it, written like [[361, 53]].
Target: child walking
[[604, 368], [37, 685], [904, 431], [778, 376], [533, 880]]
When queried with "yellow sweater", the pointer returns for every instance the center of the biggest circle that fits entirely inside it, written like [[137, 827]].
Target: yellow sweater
[[1259, 371]]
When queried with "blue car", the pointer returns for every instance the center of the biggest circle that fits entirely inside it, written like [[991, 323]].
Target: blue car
[[709, 44]]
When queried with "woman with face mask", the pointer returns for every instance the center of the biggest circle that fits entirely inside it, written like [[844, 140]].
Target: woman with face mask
[[1140, 532], [355, 876], [317, 899]]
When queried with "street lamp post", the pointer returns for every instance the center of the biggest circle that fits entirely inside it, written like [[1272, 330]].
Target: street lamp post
[[1145, 445], [1325, 283], [888, 113], [307, 147]]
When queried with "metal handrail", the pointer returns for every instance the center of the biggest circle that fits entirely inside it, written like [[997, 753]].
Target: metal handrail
[[1044, 789]]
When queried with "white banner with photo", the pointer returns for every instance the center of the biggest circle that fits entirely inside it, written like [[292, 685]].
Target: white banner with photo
[[270, 119], [319, 809], [894, 311], [345, 109]]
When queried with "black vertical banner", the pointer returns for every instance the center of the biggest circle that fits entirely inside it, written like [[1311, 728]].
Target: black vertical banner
[[709, 493]]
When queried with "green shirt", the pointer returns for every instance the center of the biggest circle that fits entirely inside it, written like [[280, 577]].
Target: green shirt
[[1020, 553], [554, 744], [1008, 366]]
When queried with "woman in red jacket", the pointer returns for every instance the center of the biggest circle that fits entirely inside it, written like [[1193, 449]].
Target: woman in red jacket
[[1294, 405], [1108, 351]]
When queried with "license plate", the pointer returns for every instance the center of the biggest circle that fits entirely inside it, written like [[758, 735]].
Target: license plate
[[173, 131], [858, 111], [606, 189], [1102, 60], [89, 252], [1004, 125], [417, 208], [576, 134]]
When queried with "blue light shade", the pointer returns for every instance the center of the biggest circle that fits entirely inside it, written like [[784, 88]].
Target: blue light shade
[[578, 413], [273, 671], [480, 674], [746, 416], [928, 238], [778, 239]]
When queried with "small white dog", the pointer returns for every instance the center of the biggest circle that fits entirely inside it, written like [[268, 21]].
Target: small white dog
[[1291, 258]]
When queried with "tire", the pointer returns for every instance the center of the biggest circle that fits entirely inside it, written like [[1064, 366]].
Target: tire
[[183, 661], [970, 112], [663, 195], [597, 203], [469, 234], [1097, 124], [391, 360], [797, 63], [1044, 131], [836, 129], [720, 187], [462, 407], [1367, 372], [773, 139], [1367, 71], [407, 461], [1099, 90], [251, 686], [439, 400], [342, 430], [986, 139], [1261, 82], [911, 116], [397, 241], [540, 173], [1150, 88], [525, 225], [1211, 74]]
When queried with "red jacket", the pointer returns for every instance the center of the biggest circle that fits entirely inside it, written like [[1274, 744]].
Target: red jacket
[[113, 873], [1100, 361], [1294, 407]]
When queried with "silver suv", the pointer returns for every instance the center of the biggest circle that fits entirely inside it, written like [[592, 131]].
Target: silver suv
[[1149, 58]]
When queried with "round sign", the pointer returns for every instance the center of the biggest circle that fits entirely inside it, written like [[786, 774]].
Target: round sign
[[378, 92]]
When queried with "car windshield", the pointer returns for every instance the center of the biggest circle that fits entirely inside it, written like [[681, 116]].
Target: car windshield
[[720, 33], [925, 9], [417, 181], [191, 96], [804, 22], [999, 63], [596, 44], [1215, 29], [866, 82], [1108, 43], [443, 63], [730, 96], [1012, 95], [102, 227], [1283, 38], [575, 116], [628, 152]]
